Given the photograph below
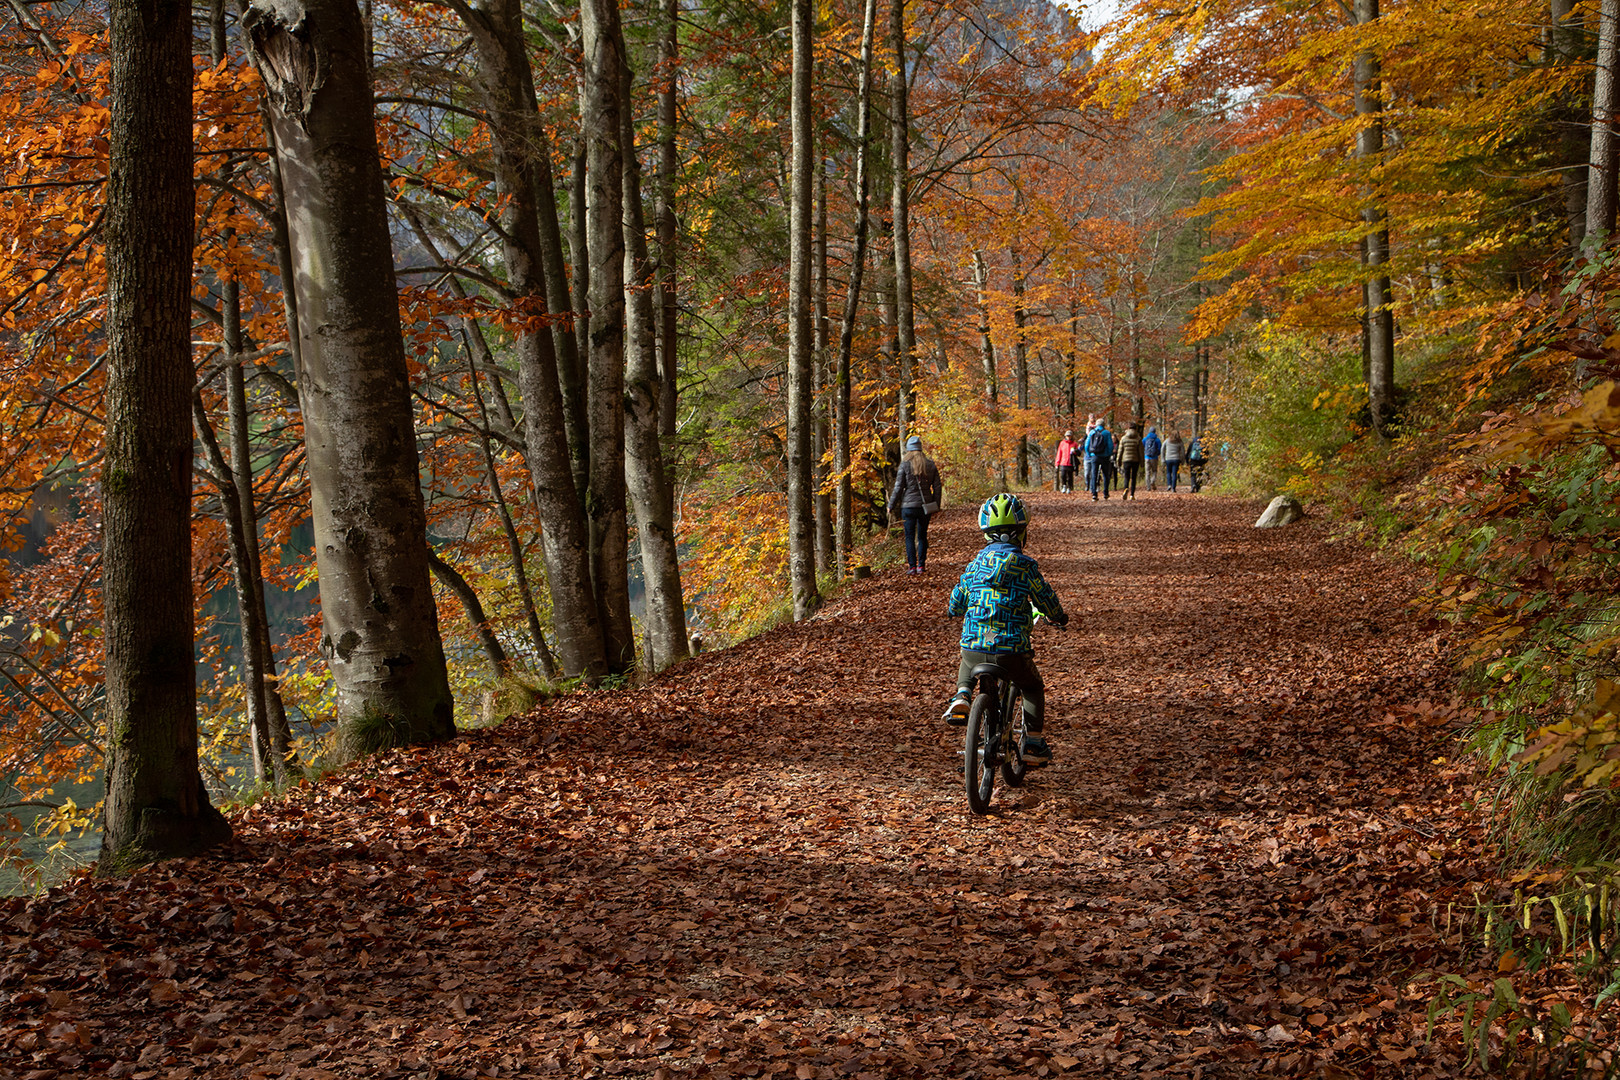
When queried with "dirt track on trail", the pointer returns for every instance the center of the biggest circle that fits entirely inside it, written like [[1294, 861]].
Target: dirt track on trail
[[762, 864]]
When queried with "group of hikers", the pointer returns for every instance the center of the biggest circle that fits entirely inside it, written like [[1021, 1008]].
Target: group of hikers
[[1122, 463], [1109, 464]]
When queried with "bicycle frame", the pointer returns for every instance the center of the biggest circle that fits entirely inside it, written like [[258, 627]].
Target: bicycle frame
[[992, 737]]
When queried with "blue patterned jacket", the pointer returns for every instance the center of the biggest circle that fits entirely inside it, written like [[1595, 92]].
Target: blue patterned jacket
[[995, 594]]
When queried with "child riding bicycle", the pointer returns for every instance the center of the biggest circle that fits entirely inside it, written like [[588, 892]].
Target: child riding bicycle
[[995, 594]]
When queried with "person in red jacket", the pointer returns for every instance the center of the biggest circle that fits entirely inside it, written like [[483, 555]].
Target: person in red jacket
[[1067, 454]]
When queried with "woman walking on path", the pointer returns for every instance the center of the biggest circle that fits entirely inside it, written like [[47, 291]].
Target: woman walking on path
[[1129, 457], [1174, 449], [916, 494], [1151, 447], [1067, 451]]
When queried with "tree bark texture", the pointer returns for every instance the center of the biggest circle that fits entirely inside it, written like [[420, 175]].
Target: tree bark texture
[[1564, 47], [900, 205], [156, 805], [270, 736], [579, 285], [1380, 325], [507, 85], [669, 160], [987, 345], [604, 213], [852, 298], [801, 344], [1605, 153], [650, 489], [1138, 397], [826, 544], [1020, 357], [380, 626], [267, 713]]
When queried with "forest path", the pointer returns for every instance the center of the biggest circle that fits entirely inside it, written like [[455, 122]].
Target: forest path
[[762, 864]]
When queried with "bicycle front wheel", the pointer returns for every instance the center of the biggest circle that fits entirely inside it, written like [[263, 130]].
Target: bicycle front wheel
[[979, 758]]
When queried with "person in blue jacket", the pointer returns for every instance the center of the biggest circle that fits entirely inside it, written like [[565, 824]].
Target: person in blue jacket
[[1152, 446], [995, 596], [1099, 459]]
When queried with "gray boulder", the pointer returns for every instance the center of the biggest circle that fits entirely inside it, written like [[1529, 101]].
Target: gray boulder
[[1284, 510]]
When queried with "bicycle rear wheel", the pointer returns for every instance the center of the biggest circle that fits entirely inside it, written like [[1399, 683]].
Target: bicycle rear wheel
[[979, 758], [1012, 724]]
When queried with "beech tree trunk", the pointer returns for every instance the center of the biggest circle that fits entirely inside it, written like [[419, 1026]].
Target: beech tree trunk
[[523, 169], [987, 345], [1563, 37], [852, 298], [1074, 359], [1380, 324], [826, 546], [380, 627], [801, 344], [1605, 155], [650, 489], [1138, 397], [576, 396], [605, 506], [514, 545], [668, 231], [900, 206], [270, 736], [156, 805], [1020, 358]]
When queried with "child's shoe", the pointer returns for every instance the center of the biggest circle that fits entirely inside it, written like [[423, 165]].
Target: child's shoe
[[1035, 752], [956, 712]]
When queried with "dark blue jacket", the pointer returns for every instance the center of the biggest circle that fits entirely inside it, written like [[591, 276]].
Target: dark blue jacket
[[1100, 444]]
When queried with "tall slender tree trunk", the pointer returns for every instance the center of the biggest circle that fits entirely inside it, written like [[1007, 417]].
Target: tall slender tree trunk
[[507, 85], [1020, 357], [1380, 325], [801, 343], [270, 737], [156, 805], [267, 713], [604, 213], [514, 545], [380, 627], [668, 232], [532, 158], [1074, 358], [900, 207], [826, 547], [1110, 371], [576, 404], [852, 299], [650, 489], [987, 346], [1605, 150], [1138, 397], [1563, 39]]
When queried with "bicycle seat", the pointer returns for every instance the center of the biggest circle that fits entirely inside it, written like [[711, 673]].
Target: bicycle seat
[[994, 671]]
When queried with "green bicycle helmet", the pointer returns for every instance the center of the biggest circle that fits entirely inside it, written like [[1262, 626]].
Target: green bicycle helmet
[[1003, 515]]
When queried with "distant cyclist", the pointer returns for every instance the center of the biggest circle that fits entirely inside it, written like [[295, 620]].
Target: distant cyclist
[[995, 594]]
